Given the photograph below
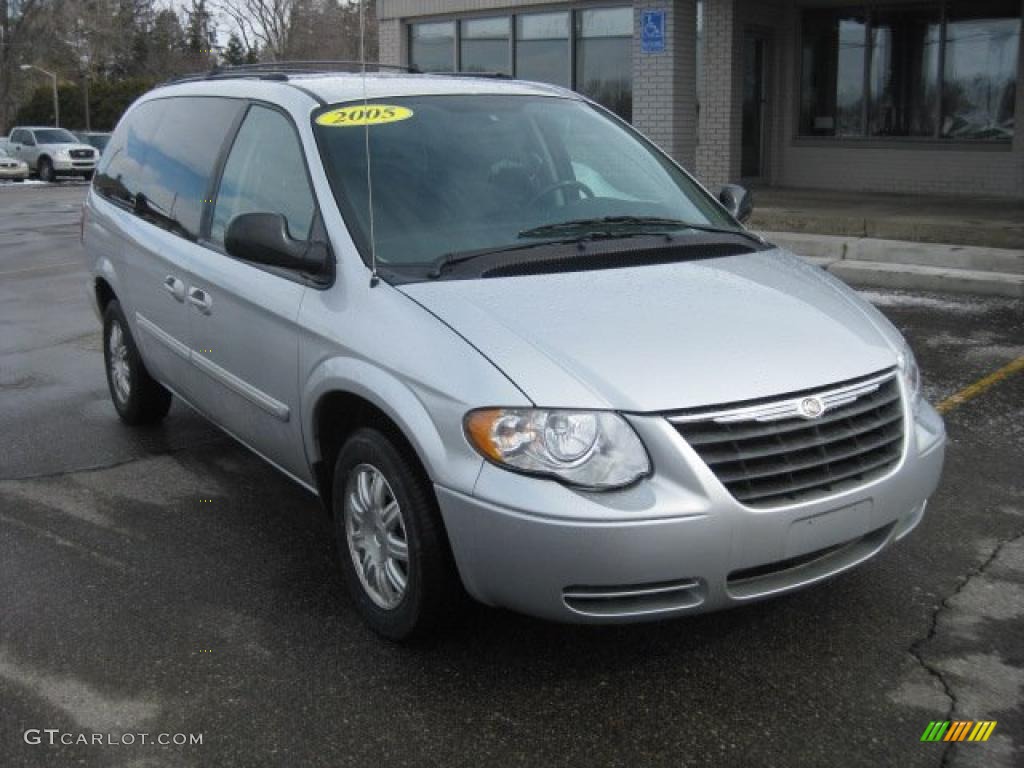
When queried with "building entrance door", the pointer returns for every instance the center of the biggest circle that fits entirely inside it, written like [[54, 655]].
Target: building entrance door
[[755, 103]]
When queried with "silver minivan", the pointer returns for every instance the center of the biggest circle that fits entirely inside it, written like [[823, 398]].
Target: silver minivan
[[514, 348]]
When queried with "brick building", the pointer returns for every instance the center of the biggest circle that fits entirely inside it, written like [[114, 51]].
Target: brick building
[[912, 96]]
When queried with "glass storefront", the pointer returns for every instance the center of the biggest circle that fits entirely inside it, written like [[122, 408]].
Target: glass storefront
[[538, 46], [937, 70]]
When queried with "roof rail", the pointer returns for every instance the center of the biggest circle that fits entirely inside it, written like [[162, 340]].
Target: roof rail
[[279, 70]]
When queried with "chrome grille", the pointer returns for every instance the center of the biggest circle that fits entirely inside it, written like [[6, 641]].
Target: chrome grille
[[81, 154], [768, 453]]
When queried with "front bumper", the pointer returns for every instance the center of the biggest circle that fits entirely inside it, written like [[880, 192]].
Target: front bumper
[[677, 542], [20, 172], [74, 166]]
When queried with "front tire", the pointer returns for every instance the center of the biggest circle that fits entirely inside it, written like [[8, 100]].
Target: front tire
[[392, 545], [46, 172], [138, 398]]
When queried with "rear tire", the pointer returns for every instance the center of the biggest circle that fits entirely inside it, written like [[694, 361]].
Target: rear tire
[[138, 398], [46, 172], [392, 546]]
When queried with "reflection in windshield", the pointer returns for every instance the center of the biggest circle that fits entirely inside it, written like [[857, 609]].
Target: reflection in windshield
[[466, 173]]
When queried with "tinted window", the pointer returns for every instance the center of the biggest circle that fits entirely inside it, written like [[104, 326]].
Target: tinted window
[[162, 163], [265, 173], [120, 171]]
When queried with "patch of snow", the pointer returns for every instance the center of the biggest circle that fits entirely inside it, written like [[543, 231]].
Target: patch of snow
[[948, 303]]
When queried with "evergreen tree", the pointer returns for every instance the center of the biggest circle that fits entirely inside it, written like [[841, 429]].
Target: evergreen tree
[[234, 52]]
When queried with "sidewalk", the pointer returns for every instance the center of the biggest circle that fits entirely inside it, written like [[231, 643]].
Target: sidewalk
[[968, 245]]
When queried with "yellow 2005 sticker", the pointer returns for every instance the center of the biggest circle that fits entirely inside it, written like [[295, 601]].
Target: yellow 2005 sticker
[[364, 114]]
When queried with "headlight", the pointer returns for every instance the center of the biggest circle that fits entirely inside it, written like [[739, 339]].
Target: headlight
[[911, 374], [63, 154], [591, 449]]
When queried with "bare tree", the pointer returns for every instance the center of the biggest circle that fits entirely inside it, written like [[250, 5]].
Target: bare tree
[[262, 24], [303, 29], [20, 23]]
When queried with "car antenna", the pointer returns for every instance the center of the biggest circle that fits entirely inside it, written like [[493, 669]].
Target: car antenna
[[374, 280]]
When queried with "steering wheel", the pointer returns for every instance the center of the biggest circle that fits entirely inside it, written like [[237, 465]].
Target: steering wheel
[[564, 184]]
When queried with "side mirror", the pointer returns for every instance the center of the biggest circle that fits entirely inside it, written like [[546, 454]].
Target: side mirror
[[263, 238], [737, 200]]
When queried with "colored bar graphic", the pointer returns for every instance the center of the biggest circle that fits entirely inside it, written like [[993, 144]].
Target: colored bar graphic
[[982, 730], [958, 730]]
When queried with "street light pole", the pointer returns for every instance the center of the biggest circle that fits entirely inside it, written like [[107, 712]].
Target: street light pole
[[56, 101]]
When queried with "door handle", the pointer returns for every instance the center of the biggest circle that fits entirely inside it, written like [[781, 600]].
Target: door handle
[[175, 287], [200, 299]]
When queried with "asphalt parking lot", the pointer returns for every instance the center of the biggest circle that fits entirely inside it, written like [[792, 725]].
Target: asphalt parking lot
[[166, 581]]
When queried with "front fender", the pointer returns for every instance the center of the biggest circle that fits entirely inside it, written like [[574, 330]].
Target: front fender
[[444, 452]]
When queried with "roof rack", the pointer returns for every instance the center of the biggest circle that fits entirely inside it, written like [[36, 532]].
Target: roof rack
[[279, 70]]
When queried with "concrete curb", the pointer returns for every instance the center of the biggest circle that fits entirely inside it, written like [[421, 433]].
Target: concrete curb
[[901, 264]]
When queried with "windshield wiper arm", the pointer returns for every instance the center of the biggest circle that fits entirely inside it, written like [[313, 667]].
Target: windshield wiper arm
[[448, 260]]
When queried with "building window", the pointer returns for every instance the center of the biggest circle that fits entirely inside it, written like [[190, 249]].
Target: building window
[[542, 48], [484, 46], [832, 89], [904, 81], [937, 70], [604, 57], [602, 39], [980, 70], [432, 46]]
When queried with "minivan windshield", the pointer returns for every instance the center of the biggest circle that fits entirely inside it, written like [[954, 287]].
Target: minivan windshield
[[55, 136], [465, 173]]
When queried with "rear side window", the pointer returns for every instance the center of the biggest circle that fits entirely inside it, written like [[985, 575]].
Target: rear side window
[[265, 173], [162, 156]]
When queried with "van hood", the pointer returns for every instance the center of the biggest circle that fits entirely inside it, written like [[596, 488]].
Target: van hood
[[666, 337]]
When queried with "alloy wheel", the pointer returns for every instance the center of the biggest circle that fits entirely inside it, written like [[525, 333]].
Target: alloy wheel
[[376, 536], [120, 371]]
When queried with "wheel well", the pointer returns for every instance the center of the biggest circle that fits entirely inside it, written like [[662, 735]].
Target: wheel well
[[104, 294], [337, 416]]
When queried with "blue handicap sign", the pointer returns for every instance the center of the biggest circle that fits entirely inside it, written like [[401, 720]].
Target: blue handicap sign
[[652, 31]]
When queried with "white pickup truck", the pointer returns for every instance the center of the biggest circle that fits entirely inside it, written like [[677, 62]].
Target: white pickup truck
[[50, 152]]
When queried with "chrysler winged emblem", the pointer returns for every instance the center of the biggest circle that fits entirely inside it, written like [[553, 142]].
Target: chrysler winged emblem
[[811, 407]]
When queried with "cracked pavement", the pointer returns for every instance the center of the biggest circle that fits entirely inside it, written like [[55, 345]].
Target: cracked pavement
[[127, 604]]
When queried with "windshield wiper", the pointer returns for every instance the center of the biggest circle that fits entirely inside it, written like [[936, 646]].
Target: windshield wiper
[[448, 260], [606, 226]]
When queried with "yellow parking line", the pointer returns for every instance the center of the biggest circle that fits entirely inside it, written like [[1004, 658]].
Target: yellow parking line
[[970, 392]]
